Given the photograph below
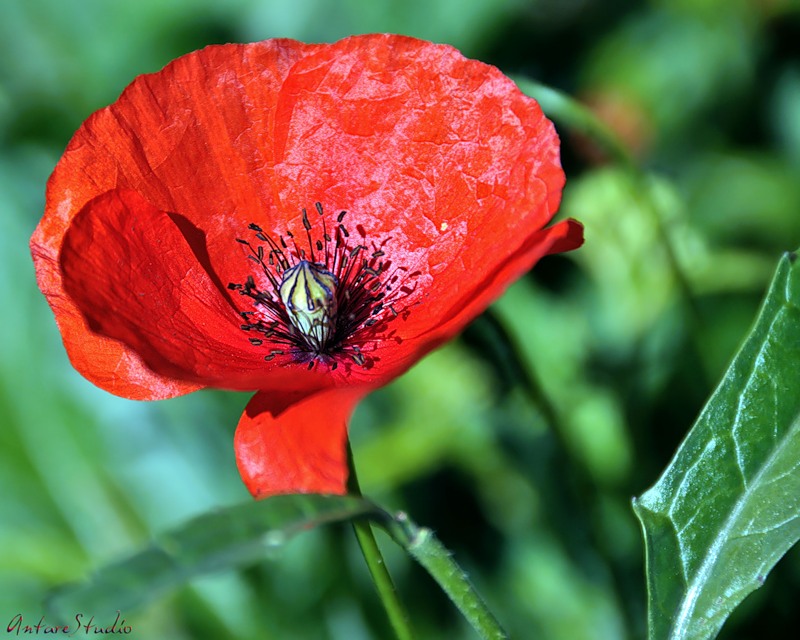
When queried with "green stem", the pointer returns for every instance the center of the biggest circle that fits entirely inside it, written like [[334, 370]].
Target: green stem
[[423, 546], [438, 562], [398, 618]]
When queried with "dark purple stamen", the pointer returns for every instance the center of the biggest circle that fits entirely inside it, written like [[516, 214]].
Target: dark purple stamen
[[364, 294]]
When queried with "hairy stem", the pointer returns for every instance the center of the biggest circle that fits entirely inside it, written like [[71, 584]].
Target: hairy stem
[[398, 618]]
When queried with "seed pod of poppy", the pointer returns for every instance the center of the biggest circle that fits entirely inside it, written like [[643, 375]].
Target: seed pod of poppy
[[308, 292]]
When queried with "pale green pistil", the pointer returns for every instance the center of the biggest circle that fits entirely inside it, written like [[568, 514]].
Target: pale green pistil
[[308, 292]]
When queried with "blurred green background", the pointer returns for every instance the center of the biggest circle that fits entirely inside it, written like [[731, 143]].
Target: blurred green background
[[520, 443]]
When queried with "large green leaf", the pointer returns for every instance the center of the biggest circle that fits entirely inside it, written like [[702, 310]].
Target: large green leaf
[[728, 505], [223, 539]]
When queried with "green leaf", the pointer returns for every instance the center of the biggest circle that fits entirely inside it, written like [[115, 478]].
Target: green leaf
[[244, 534], [220, 540], [728, 505]]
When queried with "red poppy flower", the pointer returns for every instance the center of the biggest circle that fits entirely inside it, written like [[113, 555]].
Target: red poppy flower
[[305, 221]]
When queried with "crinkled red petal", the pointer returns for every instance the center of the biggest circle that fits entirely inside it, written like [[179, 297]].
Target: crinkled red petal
[[195, 139], [290, 443], [407, 340], [563, 236], [102, 360], [138, 280], [440, 161]]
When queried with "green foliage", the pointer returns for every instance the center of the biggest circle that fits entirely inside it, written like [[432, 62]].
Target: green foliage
[[728, 506]]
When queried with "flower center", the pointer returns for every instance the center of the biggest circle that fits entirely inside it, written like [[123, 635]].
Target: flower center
[[332, 299]]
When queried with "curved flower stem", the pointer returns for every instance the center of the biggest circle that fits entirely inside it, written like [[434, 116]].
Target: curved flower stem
[[398, 618]]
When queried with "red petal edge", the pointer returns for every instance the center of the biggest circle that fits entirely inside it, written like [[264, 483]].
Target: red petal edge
[[396, 356], [103, 361], [290, 444], [150, 140], [137, 279]]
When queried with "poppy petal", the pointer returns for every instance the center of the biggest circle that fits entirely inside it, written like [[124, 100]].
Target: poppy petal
[[135, 277], [409, 339], [440, 161], [563, 236], [407, 135], [193, 138], [286, 443], [103, 361]]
